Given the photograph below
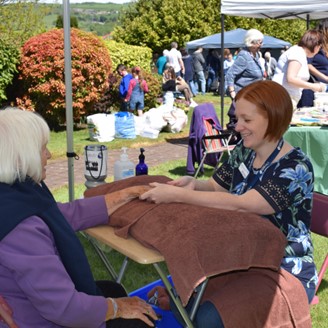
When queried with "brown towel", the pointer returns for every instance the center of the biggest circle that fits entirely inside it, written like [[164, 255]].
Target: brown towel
[[196, 242], [240, 252]]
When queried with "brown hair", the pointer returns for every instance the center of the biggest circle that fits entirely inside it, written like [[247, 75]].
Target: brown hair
[[323, 28], [274, 101], [311, 39], [137, 70]]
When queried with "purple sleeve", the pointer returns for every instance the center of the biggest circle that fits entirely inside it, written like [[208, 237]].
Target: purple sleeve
[[85, 213], [37, 285]]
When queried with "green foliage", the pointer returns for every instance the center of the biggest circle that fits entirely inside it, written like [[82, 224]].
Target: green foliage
[[9, 57], [42, 73], [155, 23], [21, 20], [122, 53], [60, 21]]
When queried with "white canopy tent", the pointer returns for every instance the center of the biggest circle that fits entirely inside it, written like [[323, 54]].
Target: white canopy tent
[[275, 9], [286, 9]]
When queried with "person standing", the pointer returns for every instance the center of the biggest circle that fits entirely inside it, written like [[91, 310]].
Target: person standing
[[199, 65], [270, 65], [213, 68], [292, 70], [174, 59], [136, 91], [318, 66], [188, 75], [161, 62], [245, 70], [124, 86]]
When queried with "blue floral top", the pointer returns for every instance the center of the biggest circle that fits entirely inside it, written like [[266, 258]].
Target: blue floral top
[[287, 185]]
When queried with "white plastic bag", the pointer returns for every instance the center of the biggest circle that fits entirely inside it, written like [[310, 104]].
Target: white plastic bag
[[101, 127]]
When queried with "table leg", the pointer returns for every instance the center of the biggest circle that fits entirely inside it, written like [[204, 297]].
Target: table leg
[[174, 297]]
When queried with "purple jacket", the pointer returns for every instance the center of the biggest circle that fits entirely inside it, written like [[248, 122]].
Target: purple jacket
[[33, 279]]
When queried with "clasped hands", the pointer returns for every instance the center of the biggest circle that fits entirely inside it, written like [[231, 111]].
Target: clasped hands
[[154, 192]]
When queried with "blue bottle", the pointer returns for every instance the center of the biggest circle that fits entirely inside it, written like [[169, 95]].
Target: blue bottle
[[141, 168]]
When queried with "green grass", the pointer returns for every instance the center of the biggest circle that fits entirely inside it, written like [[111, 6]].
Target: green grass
[[138, 275]]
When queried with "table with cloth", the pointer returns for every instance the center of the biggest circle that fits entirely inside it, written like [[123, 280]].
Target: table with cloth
[[313, 140]]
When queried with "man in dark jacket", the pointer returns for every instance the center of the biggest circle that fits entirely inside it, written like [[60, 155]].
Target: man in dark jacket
[[199, 65]]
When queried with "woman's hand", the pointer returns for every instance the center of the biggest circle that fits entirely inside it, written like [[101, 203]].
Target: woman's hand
[[6, 314], [135, 308], [116, 199], [161, 193], [184, 182]]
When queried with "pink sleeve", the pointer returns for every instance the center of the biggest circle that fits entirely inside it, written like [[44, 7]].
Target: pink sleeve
[[145, 86], [132, 84]]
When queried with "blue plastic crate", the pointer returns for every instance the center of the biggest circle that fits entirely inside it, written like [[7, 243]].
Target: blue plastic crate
[[167, 318]]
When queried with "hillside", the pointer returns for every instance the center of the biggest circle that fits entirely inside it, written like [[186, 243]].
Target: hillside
[[99, 18]]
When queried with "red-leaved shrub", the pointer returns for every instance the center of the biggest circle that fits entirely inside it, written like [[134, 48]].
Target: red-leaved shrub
[[42, 71]]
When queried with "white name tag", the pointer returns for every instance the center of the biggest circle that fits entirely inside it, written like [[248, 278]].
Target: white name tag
[[243, 170]]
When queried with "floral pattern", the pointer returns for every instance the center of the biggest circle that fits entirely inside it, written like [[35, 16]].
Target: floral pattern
[[287, 185]]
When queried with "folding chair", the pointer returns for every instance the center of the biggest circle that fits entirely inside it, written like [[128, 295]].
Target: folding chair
[[197, 147], [215, 141], [319, 225]]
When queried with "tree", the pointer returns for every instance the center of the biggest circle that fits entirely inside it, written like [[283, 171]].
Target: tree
[[20, 20], [156, 23], [73, 21]]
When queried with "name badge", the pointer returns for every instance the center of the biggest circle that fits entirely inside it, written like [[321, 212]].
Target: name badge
[[243, 170]]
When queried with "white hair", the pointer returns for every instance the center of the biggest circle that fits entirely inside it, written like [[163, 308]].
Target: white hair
[[252, 36], [22, 135]]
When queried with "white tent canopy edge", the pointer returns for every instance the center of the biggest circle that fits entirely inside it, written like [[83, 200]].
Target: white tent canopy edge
[[283, 9]]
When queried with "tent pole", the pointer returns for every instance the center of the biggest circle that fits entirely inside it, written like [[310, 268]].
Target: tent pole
[[222, 91], [68, 97]]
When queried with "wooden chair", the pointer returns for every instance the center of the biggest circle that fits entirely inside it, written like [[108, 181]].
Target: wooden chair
[[319, 225]]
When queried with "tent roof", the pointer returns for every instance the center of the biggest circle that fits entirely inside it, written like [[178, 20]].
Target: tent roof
[[234, 39], [287, 9]]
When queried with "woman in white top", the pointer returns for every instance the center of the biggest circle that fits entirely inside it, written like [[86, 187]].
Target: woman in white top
[[292, 71]]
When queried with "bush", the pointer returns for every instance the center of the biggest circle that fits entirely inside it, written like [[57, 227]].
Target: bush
[[122, 53], [9, 57], [42, 73]]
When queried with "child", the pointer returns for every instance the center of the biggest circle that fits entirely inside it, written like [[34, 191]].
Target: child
[[136, 92], [124, 85]]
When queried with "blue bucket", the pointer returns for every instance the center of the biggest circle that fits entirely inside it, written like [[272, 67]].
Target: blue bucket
[[167, 319]]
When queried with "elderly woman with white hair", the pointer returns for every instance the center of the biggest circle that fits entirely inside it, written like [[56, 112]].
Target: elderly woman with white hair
[[245, 69], [45, 278]]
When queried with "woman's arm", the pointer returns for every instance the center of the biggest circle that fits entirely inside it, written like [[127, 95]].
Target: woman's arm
[[317, 73], [293, 69], [251, 201]]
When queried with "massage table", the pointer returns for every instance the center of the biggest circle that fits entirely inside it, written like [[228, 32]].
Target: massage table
[[222, 256]]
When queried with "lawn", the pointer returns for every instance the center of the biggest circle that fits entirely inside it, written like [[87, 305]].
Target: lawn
[[139, 275]]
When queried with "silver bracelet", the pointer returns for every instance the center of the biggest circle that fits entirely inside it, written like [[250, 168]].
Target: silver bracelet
[[115, 307]]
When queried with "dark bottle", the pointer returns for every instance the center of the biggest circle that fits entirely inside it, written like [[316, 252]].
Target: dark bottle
[[141, 168]]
